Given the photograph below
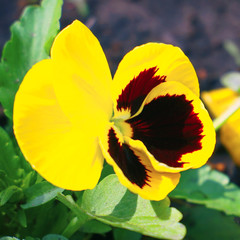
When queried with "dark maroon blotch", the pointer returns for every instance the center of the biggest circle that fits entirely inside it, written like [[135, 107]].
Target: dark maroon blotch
[[138, 88], [169, 128], [127, 161]]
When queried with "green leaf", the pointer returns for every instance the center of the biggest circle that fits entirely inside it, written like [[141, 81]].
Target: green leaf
[[9, 193], [111, 203], [231, 80], [94, 226], [29, 179], [9, 238], [30, 42], [209, 224], [40, 193], [32, 238], [209, 187], [9, 161], [50, 217], [21, 216], [123, 234], [54, 237], [233, 50]]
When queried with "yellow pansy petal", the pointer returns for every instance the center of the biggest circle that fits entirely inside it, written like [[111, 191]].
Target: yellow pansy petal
[[175, 128], [218, 101], [79, 56], [147, 66], [65, 154], [134, 170]]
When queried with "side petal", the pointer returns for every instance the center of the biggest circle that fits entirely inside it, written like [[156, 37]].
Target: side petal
[[218, 100], [147, 66], [134, 170], [175, 128], [65, 154], [79, 56]]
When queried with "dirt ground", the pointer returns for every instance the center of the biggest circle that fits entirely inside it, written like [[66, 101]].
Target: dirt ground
[[200, 28]]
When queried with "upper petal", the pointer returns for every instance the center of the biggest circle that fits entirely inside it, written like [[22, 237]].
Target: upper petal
[[79, 56], [63, 152], [147, 66], [175, 128]]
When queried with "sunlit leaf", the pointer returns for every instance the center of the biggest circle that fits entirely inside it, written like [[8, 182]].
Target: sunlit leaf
[[30, 42], [40, 193], [209, 187], [111, 203]]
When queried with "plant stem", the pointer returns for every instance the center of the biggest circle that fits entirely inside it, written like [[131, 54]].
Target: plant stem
[[219, 121], [74, 225], [81, 216]]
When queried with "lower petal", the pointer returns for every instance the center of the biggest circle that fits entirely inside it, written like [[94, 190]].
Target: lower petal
[[134, 169], [65, 154], [175, 128]]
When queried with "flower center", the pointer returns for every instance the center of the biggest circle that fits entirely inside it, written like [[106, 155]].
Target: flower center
[[123, 127]]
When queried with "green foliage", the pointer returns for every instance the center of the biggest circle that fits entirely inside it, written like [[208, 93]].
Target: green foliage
[[8, 238], [39, 194], [209, 224], [9, 161], [232, 79], [211, 188], [123, 234], [31, 39], [113, 204], [94, 226], [47, 237], [8, 193], [53, 237], [233, 50]]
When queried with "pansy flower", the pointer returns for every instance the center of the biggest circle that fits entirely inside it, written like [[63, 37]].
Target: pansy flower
[[218, 101], [148, 122]]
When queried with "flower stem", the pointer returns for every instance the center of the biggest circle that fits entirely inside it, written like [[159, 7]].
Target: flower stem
[[219, 121], [81, 216], [74, 225]]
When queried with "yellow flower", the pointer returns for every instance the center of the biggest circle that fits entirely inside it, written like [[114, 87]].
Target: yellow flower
[[148, 122], [218, 101]]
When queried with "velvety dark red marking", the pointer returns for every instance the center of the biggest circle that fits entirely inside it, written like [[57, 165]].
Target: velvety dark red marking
[[137, 89], [127, 161], [169, 128]]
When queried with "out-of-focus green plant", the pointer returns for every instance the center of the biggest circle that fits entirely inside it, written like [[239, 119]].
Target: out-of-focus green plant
[[32, 208], [81, 6]]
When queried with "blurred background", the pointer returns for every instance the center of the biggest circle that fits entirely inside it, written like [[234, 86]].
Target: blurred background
[[200, 28]]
